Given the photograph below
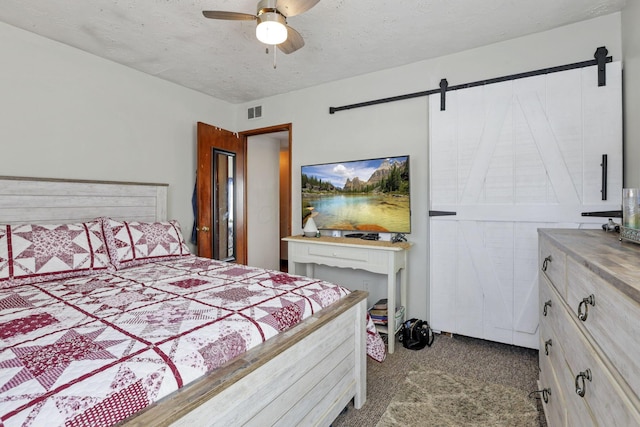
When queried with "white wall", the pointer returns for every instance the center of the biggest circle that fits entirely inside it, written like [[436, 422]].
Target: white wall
[[631, 85], [67, 114], [263, 202], [402, 127]]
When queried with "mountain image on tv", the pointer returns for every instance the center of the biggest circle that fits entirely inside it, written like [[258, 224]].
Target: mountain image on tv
[[365, 195]]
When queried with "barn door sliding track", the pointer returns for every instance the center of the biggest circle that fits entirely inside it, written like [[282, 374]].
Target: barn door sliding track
[[600, 60]]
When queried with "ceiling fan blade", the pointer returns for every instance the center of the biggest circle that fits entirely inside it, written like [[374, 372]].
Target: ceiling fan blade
[[294, 7], [293, 42], [230, 16]]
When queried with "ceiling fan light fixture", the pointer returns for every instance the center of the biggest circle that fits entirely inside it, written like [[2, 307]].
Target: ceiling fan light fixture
[[271, 28]]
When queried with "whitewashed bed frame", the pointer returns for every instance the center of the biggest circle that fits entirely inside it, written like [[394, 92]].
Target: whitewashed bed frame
[[304, 376]]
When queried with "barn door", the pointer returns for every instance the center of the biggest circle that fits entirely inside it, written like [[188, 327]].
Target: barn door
[[505, 160]]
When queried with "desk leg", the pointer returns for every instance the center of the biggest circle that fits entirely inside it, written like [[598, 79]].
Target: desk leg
[[391, 311], [403, 289], [309, 272], [293, 267]]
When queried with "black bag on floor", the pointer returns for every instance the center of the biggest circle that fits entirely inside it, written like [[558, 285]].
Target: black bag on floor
[[415, 334]]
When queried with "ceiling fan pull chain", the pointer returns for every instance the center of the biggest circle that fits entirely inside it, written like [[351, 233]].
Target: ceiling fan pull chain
[[274, 57]]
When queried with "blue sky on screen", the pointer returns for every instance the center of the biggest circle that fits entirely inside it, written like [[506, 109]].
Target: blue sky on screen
[[338, 173]]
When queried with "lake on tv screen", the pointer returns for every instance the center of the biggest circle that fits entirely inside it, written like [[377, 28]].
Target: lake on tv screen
[[373, 212]]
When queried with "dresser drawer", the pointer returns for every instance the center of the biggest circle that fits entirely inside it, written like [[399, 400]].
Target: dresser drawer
[[606, 400], [550, 305], [555, 361], [613, 321], [555, 408], [552, 262], [551, 352], [352, 254]]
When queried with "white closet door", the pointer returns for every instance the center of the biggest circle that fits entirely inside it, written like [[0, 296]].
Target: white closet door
[[509, 158]]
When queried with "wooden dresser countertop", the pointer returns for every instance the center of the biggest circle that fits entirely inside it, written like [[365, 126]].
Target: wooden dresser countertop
[[617, 262]]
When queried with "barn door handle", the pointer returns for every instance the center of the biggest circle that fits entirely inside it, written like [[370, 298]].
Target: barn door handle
[[604, 177]]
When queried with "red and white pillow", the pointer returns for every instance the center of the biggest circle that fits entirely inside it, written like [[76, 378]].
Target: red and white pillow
[[134, 243], [31, 253]]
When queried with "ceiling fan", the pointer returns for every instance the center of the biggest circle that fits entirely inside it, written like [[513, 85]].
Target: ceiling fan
[[272, 28]]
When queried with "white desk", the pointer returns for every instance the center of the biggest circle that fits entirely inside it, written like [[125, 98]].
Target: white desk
[[375, 256]]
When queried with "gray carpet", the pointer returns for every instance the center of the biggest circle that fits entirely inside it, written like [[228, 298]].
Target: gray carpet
[[496, 367], [431, 397]]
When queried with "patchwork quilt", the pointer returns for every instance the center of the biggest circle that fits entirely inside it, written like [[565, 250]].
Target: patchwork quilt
[[94, 349]]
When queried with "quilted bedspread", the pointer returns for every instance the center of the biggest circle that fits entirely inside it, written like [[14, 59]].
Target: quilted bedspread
[[93, 350]]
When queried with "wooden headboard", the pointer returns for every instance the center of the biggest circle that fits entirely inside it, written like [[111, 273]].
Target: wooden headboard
[[43, 200]]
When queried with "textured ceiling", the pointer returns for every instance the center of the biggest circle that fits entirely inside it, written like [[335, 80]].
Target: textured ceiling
[[171, 39]]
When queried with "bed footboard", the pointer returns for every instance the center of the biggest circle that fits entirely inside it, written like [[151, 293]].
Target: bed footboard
[[304, 376]]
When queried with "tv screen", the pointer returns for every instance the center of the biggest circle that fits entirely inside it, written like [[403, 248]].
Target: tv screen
[[364, 196]]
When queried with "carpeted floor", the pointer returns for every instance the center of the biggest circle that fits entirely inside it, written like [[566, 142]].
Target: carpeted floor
[[480, 362], [431, 397]]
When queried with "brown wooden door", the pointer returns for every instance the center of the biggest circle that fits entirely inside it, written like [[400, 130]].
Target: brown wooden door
[[221, 155]]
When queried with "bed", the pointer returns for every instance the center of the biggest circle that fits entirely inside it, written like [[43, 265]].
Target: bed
[[138, 332]]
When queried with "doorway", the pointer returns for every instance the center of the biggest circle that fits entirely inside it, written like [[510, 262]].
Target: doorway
[[264, 246], [270, 218], [268, 199]]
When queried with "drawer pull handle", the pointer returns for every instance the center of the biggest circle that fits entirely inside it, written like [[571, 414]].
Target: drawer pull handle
[[591, 299], [544, 309], [581, 377], [546, 262], [545, 392], [548, 343]]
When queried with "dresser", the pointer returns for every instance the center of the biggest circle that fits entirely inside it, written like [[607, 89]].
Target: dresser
[[379, 257], [589, 287]]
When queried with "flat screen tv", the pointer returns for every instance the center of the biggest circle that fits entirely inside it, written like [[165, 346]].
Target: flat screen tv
[[370, 196]]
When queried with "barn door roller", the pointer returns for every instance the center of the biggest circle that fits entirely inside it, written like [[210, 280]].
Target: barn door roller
[[601, 59]]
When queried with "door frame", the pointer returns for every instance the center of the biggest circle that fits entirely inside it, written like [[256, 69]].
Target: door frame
[[205, 195], [244, 135]]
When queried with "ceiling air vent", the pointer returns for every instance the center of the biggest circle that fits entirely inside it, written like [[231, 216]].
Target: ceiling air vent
[[254, 112]]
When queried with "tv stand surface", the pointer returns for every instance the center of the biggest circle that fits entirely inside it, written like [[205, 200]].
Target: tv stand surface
[[376, 256]]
